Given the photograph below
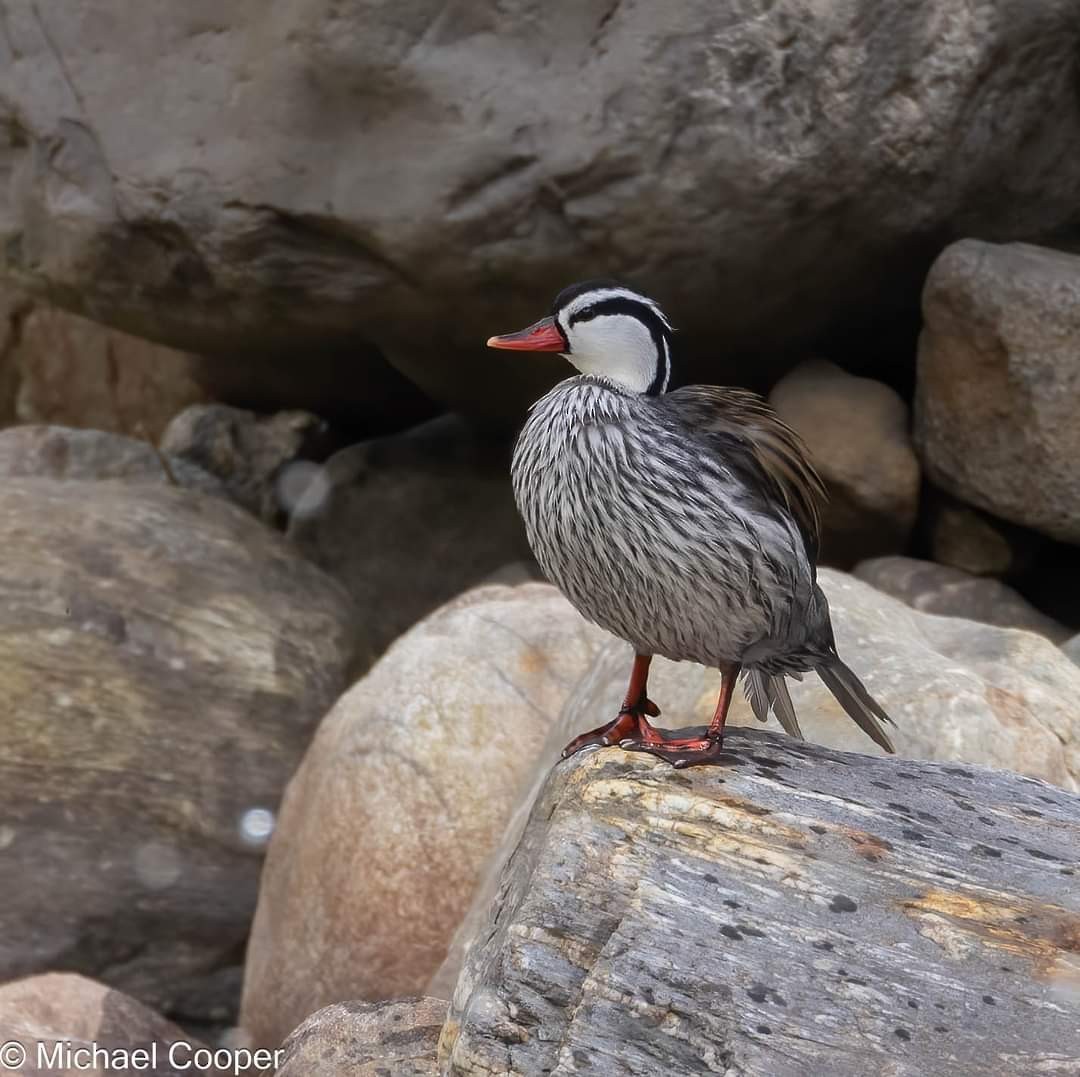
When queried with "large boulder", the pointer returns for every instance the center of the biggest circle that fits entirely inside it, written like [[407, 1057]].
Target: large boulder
[[999, 382], [857, 431], [163, 661], [769, 170], [934, 588], [792, 910], [386, 827], [396, 1038], [56, 1020], [408, 522]]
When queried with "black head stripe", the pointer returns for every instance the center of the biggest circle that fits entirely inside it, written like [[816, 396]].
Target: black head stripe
[[616, 305], [648, 317], [574, 291], [662, 377]]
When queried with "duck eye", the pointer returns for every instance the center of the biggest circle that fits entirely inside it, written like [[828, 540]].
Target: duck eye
[[586, 314]]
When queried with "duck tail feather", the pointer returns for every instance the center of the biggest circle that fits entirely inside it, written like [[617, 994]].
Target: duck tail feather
[[852, 695]]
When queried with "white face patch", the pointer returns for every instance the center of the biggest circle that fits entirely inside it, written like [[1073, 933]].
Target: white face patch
[[618, 347]]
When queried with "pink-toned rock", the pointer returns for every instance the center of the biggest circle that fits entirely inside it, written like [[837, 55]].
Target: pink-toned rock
[[386, 827], [934, 588], [74, 372], [61, 1017]]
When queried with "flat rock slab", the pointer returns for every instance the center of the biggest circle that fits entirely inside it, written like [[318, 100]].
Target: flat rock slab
[[796, 910]]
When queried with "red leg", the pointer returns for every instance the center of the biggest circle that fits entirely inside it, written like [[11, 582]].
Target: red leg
[[691, 751], [631, 719]]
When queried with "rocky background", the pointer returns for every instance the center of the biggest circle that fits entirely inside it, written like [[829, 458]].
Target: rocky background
[[280, 686]]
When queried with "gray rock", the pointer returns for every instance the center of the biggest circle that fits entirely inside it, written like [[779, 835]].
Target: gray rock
[[250, 454], [963, 538], [934, 588], [397, 1038], [387, 825], [164, 658], [1071, 647], [795, 910], [408, 522], [857, 432], [999, 382], [63, 452], [767, 170]]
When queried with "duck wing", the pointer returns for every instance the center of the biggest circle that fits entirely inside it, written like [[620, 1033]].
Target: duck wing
[[744, 432]]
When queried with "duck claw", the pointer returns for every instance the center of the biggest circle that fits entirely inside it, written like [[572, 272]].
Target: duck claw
[[629, 725], [680, 752]]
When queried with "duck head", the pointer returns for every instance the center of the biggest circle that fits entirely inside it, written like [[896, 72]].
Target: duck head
[[607, 331]]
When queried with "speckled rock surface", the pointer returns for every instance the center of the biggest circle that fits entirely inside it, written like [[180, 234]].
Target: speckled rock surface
[[397, 1038], [795, 910], [998, 382], [404, 793], [164, 658], [767, 168], [958, 691]]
